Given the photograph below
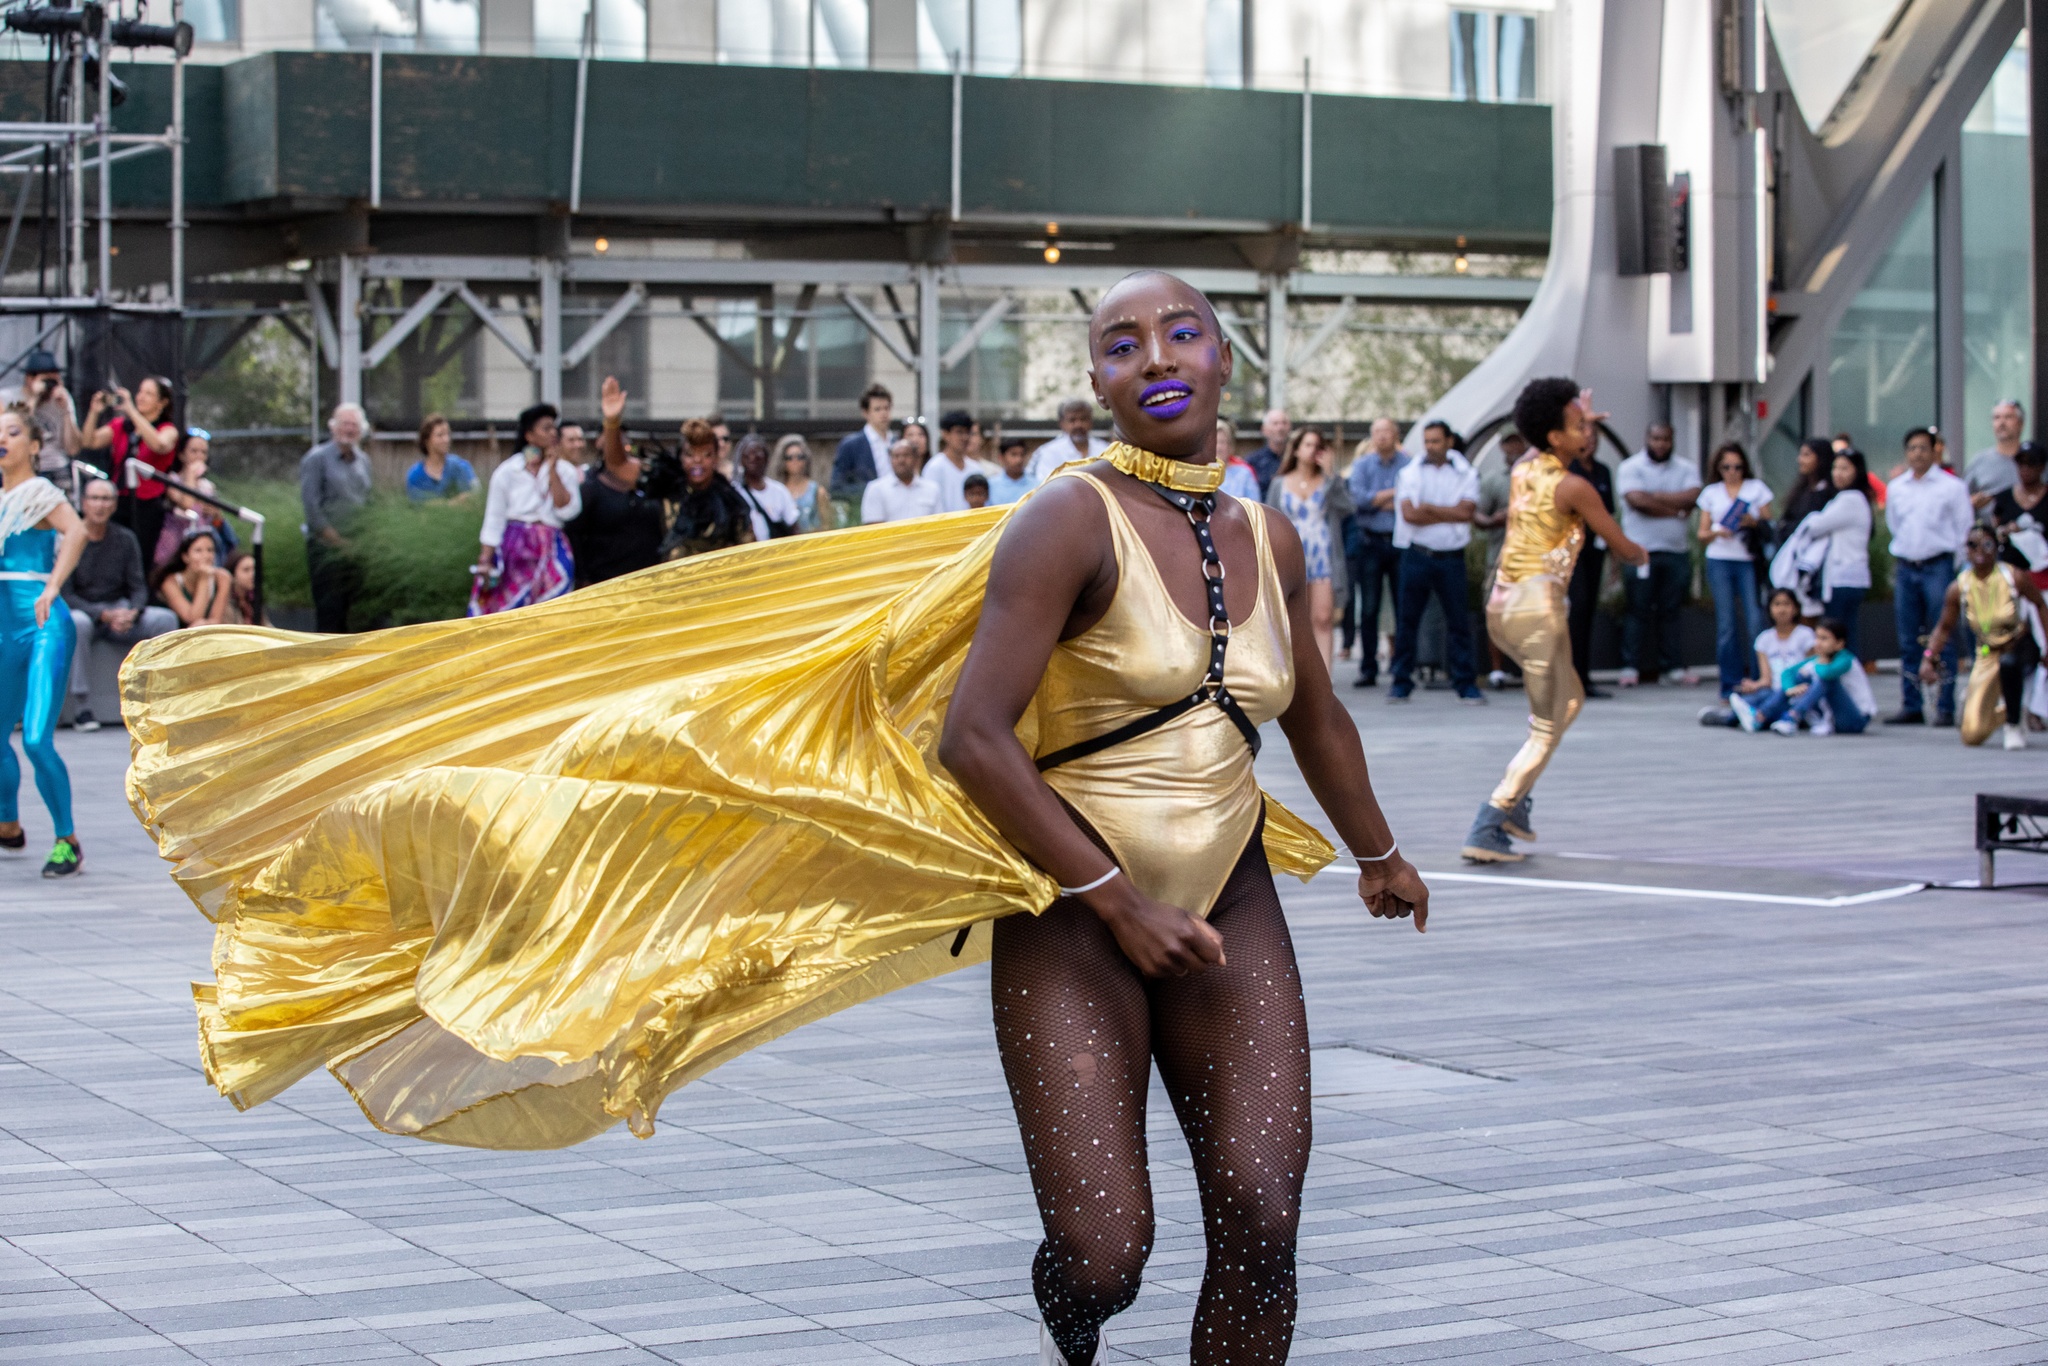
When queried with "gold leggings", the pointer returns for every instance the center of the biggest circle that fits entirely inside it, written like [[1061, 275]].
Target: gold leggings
[[1527, 620]]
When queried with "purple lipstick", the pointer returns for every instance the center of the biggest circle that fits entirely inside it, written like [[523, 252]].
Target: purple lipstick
[[1166, 400]]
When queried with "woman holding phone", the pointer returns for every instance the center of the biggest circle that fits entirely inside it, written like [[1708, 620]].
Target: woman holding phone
[[1731, 508]]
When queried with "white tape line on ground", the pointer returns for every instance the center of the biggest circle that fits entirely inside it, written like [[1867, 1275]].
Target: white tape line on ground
[[1683, 893]]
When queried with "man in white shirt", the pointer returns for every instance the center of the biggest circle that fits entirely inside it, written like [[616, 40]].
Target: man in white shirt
[[1991, 471], [1657, 496], [1434, 501], [949, 467], [1929, 512], [524, 557], [1076, 441], [902, 493]]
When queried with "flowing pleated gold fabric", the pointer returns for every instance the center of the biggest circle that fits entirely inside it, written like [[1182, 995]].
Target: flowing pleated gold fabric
[[513, 879]]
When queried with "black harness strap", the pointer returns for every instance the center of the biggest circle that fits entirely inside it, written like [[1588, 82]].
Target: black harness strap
[[1211, 689]]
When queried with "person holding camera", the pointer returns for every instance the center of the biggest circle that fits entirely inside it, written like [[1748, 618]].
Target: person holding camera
[[44, 394], [140, 429]]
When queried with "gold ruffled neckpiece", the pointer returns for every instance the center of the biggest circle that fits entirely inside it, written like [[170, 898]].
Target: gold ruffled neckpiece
[[1158, 469]]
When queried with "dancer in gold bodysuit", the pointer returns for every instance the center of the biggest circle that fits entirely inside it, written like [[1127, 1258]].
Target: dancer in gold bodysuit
[[1992, 592], [1549, 511]]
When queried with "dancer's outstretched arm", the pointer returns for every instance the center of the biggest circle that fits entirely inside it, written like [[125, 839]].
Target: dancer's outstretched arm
[[1327, 750], [1054, 574]]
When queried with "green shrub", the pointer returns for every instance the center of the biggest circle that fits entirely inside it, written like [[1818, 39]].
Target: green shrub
[[415, 559]]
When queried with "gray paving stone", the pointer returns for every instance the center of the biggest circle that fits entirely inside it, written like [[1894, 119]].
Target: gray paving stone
[[1734, 1133]]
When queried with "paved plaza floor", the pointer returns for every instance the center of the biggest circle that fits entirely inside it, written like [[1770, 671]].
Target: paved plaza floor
[[1719, 1098]]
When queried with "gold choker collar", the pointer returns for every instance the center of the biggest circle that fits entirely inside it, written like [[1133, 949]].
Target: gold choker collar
[[1178, 475]]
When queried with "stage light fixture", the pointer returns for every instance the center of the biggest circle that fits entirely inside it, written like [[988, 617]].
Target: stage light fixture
[[134, 33], [56, 21]]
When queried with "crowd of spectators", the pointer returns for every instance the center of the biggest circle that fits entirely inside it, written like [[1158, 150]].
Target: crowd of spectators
[[1389, 532]]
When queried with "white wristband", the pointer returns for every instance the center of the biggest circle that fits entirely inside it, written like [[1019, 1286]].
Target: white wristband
[[1392, 850], [1076, 891]]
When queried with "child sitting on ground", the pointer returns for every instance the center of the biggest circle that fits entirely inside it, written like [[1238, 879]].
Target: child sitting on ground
[[1830, 677]]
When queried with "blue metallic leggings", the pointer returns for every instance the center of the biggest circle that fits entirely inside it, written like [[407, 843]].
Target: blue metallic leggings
[[35, 662]]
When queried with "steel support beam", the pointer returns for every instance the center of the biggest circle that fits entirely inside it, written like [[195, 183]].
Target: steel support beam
[[513, 342], [928, 343], [323, 322], [1241, 340], [550, 364], [1276, 341], [594, 335], [1948, 296], [395, 335], [878, 328], [990, 316], [2037, 198], [351, 325]]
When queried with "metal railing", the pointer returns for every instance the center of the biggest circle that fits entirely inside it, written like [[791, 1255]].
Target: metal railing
[[135, 471]]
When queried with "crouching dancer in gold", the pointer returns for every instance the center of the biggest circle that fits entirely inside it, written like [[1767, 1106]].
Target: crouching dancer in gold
[[1549, 511]]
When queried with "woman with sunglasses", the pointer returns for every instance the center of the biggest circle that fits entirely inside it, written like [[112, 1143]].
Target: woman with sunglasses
[[1731, 509], [792, 465]]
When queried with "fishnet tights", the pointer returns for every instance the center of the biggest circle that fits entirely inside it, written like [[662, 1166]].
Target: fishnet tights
[[1078, 1029]]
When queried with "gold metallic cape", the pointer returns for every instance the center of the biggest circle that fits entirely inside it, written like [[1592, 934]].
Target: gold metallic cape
[[513, 879]]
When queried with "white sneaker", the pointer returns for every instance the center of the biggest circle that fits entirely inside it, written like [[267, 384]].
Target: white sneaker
[[1628, 678], [1497, 680], [1822, 728], [1787, 726], [1745, 714], [2015, 738], [1687, 679], [1049, 1354]]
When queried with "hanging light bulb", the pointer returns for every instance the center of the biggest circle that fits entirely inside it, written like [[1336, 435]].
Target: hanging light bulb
[[1460, 264], [1052, 256], [603, 244]]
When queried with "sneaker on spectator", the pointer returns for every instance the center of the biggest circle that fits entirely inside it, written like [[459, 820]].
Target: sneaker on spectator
[[2015, 738], [84, 722], [1628, 678], [1471, 696], [1497, 680], [1400, 692], [1787, 726], [1683, 679], [1745, 714], [1822, 727], [1906, 717], [1716, 716]]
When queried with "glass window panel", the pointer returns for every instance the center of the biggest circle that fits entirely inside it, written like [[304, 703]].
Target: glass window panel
[[1517, 47], [214, 21], [1466, 29], [450, 26], [771, 32], [1881, 365], [988, 380], [1223, 40], [837, 348], [988, 35], [621, 28], [356, 23], [736, 319], [1997, 348]]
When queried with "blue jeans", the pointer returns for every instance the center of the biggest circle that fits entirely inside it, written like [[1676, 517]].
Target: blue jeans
[[1917, 593], [1424, 572], [1374, 564], [1847, 604], [1848, 717], [1654, 603], [1737, 620]]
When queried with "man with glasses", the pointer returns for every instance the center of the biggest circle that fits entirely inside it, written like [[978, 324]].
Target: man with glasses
[[108, 595]]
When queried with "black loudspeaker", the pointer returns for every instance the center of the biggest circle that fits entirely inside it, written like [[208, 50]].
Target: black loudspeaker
[[1642, 211], [121, 346]]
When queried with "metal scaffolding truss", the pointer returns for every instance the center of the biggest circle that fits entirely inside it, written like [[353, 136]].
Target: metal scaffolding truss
[[910, 335]]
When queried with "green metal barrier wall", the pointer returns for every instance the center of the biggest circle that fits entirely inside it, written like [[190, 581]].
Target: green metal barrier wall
[[668, 138]]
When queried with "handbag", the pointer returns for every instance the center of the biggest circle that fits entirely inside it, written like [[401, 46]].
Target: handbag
[[776, 530]]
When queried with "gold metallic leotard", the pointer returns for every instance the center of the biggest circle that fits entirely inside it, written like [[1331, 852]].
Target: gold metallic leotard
[[1176, 804], [1526, 614], [1992, 607]]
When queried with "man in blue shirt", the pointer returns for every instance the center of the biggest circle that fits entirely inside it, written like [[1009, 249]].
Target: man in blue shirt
[[865, 453], [1265, 461], [1015, 479], [1375, 560]]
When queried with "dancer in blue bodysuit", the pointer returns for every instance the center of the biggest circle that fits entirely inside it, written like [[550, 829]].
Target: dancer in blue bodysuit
[[41, 539]]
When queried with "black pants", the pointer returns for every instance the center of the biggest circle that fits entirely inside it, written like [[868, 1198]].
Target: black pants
[[1375, 567], [336, 580], [1649, 638], [1582, 599]]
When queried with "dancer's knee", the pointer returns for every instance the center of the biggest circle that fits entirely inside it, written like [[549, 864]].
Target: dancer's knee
[[1100, 1269]]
